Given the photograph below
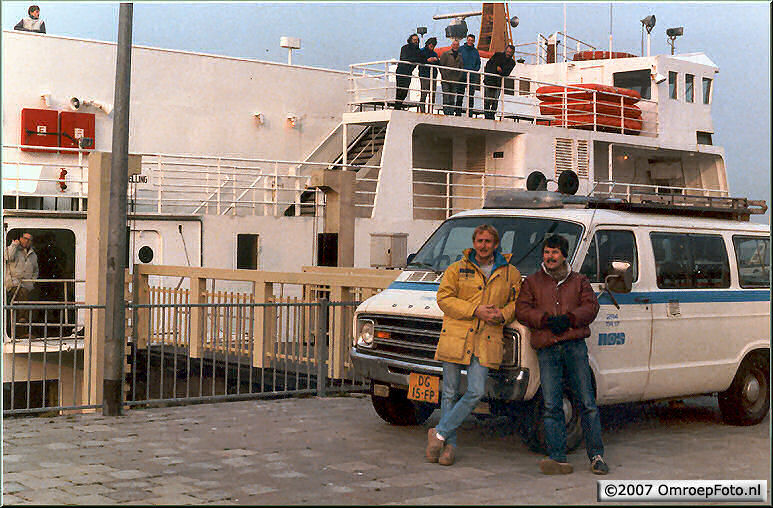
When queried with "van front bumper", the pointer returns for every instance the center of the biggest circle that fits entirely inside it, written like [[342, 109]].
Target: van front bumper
[[507, 383]]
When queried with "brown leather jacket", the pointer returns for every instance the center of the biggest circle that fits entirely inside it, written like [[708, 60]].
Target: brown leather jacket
[[541, 296]]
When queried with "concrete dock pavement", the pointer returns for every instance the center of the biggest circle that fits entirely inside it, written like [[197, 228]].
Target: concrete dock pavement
[[335, 450]]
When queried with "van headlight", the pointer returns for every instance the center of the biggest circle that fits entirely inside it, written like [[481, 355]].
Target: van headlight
[[364, 336], [511, 338]]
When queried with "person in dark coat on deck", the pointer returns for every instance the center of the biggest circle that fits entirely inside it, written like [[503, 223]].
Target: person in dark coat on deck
[[427, 73], [410, 55], [500, 64]]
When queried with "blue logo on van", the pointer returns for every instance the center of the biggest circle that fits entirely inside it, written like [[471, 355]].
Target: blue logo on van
[[611, 339]]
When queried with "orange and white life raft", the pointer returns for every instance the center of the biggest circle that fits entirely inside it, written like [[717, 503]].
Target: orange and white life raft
[[585, 105]]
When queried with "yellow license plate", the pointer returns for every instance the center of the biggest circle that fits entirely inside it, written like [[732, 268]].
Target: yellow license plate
[[424, 388]]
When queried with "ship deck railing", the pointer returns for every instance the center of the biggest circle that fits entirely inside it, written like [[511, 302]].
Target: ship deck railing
[[373, 86], [177, 184]]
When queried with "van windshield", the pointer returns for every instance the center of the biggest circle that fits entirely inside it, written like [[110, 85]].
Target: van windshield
[[521, 236]]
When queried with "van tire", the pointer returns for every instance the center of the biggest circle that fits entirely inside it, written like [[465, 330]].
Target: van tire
[[531, 424], [747, 401], [397, 409]]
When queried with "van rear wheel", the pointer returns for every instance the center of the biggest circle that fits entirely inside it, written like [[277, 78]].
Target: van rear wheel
[[397, 409], [747, 401]]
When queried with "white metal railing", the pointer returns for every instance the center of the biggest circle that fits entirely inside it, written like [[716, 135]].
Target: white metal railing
[[373, 84], [444, 192], [628, 190], [179, 184]]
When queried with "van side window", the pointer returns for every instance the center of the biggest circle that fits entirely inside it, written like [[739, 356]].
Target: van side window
[[690, 261], [607, 246], [753, 255]]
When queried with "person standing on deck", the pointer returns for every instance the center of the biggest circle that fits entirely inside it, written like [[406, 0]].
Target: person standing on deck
[[477, 296], [452, 79], [499, 65], [410, 55], [33, 23], [471, 59], [427, 73]]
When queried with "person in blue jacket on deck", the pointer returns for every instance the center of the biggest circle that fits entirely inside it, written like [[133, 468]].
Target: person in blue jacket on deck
[[471, 62]]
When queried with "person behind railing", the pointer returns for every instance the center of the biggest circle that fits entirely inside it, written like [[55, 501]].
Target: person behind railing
[[499, 65], [410, 55], [427, 73], [453, 87], [21, 265], [471, 59], [33, 23]]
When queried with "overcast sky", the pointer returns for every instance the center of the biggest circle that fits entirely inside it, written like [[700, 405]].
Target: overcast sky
[[736, 36]]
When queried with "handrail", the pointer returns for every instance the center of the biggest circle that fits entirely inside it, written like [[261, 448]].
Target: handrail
[[518, 103]]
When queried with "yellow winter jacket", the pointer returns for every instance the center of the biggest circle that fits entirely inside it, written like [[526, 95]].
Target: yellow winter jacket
[[461, 291]]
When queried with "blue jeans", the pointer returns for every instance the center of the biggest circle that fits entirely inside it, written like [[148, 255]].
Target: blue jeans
[[562, 362], [453, 409]]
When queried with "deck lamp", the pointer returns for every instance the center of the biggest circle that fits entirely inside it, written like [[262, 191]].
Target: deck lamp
[[672, 34], [648, 24]]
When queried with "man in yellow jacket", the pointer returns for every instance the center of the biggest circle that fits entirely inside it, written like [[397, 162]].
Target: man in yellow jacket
[[477, 296]]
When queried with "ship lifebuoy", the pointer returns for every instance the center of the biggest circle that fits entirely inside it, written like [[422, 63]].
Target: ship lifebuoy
[[587, 106], [588, 92], [600, 55]]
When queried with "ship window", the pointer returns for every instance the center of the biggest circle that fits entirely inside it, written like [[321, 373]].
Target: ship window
[[672, 88], [704, 138], [509, 86], [707, 90], [638, 81], [688, 88], [524, 87], [246, 252], [753, 255]]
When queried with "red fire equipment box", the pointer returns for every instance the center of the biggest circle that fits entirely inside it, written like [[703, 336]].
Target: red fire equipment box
[[74, 127], [39, 128]]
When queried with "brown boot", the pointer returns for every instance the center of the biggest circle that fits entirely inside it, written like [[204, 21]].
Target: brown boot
[[447, 457], [434, 446], [550, 466]]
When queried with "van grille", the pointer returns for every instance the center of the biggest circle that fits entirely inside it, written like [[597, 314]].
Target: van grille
[[414, 338], [410, 337]]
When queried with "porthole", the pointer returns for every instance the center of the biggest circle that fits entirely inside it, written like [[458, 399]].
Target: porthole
[[145, 254]]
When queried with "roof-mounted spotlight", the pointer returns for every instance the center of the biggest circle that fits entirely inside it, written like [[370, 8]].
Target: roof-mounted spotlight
[[457, 29], [672, 34], [514, 21], [421, 30], [648, 24]]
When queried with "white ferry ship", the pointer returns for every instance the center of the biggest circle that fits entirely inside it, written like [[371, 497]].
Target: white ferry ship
[[237, 154]]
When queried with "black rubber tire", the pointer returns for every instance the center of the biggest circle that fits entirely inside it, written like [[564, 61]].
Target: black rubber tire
[[397, 409], [531, 424], [734, 403]]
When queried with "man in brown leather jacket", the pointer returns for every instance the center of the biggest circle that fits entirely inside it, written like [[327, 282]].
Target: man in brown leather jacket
[[558, 305]]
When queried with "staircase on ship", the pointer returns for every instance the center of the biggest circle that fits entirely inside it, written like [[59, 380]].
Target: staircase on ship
[[365, 145]]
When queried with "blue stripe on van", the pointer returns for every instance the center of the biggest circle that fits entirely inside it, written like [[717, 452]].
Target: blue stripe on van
[[415, 286], [665, 296]]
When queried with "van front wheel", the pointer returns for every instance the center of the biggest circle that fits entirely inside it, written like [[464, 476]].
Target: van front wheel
[[747, 401], [531, 423], [397, 409]]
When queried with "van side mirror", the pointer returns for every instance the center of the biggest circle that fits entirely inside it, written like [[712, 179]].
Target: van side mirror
[[410, 258], [620, 278]]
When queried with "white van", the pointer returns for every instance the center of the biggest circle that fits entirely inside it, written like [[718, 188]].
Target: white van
[[684, 289]]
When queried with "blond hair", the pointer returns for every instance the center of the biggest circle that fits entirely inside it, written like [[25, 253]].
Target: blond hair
[[489, 229]]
